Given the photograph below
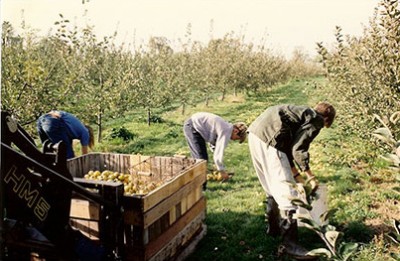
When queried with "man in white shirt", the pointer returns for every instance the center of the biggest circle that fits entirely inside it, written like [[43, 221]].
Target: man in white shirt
[[204, 127]]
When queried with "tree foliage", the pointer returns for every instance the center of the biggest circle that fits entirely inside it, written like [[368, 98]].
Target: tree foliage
[[365, 70], [94, 78]]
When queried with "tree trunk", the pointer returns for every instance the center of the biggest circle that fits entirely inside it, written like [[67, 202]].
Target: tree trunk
[[99, 124], [183, 108], [148, 116]]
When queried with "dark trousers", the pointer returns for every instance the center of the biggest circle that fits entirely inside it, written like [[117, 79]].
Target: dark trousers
[[197, 144], [55, 130]]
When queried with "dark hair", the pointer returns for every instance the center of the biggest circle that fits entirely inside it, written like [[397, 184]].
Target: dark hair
[[91, 136], [327, 111]]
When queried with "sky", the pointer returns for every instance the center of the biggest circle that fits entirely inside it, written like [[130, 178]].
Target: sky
[[285, 25]]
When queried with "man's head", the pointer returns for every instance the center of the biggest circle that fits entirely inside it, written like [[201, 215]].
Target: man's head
[[91, 136], [327, 111], [239, 131]]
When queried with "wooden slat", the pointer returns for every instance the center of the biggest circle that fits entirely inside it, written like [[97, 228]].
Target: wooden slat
[[168, 203], [197, 211], [181, 231], [84, 209], [87, 227], [191, 197], [172, 215], [184, 205], [157, 195], [188, 248]]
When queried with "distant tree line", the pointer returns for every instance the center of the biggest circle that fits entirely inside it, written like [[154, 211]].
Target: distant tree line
[[97, 79]]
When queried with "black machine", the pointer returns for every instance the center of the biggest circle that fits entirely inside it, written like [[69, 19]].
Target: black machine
[[35, 200]]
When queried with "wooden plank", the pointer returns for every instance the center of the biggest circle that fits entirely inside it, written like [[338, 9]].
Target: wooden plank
[[184, 205], [94, 161], [191, 247], [124, 163], [156, 245], [198, 193], [191, 197], [157, 195], [166, 210], [168, 203], [192, 220], [172, 215], [167, 249], [84, 209], [87, 227], [145, 202]]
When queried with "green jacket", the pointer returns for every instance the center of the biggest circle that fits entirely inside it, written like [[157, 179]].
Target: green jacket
[[290, 129]]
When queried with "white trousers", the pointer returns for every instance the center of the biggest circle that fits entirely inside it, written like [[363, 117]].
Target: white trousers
[[273, 171]]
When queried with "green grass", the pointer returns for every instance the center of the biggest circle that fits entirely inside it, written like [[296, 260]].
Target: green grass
[[235, 209]]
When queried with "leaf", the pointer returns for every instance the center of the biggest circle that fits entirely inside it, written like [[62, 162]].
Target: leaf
[[329, 228], [394, 159], [320, 252], [300, 203], [346, 250], [396, 224], [291, 184], [396, 189], [301, 189], [395, 238], [395, 256], [376, 116], [299, 216], [311, 224], [395, 117], [326, 215], [332, 237], [384, 134]]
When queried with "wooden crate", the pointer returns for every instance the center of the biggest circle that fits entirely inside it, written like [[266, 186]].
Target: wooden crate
[[161, 225]]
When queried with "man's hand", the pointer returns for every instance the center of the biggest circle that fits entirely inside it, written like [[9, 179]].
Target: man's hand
[[298, 178], [85, 150], [296, 175]]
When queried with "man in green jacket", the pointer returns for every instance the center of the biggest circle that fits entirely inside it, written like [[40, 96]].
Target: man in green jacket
[[279, 139]]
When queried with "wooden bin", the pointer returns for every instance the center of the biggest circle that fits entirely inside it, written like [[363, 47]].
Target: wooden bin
[[164, 224]]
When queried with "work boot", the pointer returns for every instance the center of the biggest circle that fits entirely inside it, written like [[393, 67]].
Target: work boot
[[289, 238], [272, 216]]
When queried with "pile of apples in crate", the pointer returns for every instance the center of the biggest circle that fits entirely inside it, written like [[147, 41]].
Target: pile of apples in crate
[[133, 184]]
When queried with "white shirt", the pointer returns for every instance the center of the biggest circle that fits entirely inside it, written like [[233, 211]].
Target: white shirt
[[215, 131]]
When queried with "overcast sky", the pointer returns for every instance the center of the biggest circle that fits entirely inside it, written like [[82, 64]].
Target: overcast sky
[[285, 24]]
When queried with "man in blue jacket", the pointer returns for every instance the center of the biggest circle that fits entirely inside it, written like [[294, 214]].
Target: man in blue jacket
[[59, 126], [279, 139]]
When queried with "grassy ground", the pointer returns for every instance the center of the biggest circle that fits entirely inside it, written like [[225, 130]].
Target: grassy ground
[[359, 185]]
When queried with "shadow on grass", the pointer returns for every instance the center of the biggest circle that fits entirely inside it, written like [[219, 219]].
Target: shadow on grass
[[235, 236], [241, 237], [357, 231]]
